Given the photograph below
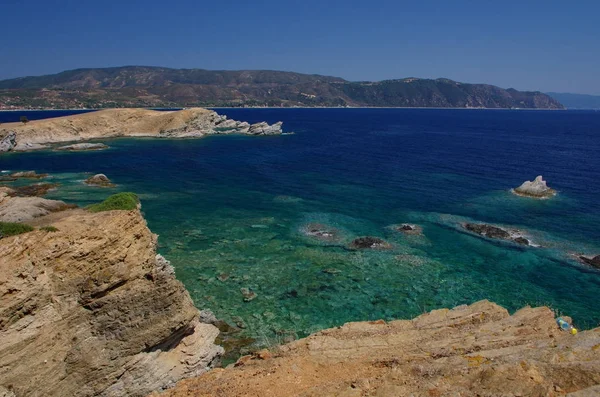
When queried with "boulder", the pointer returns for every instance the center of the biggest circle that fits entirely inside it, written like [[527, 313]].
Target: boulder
[[8, 142], [99, 180], [535, 189], [83, 146], [369, 242]]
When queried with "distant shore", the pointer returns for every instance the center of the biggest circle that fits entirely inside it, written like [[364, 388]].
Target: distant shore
[[278, 107]]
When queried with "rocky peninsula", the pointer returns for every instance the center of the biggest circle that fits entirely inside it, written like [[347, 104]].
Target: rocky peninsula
[[114, 123]]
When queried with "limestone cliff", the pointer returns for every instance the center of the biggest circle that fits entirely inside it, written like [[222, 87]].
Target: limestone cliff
[[478, 350], [112, 123], [91, 310]]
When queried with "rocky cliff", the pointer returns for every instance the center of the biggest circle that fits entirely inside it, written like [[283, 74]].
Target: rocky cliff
[[89, 309], [111, 123], [145, 86], [477, 350]]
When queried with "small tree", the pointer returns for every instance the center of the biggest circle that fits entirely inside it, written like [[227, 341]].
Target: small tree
[[24, 119]]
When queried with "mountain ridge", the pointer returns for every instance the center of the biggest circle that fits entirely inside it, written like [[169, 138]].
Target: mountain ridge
[[153, 86]]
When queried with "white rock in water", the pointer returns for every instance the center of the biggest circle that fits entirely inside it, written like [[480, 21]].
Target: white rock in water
[[537, 189]]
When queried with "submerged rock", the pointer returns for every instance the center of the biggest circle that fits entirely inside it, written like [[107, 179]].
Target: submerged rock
[[407, 228], [535, 189], [26, 175], [495, 232], [321, 232], [595, 261], [37, 189], [99, 180], [369, 242], [83, 146], [248, 294]]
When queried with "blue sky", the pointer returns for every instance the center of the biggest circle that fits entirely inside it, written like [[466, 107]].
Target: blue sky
[[534, 45]]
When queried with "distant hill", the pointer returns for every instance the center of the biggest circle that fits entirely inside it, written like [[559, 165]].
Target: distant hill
[[142, 86], [577, 101]]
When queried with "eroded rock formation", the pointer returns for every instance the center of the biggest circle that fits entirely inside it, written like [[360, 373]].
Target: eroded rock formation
[[535, 189], [91, 310]]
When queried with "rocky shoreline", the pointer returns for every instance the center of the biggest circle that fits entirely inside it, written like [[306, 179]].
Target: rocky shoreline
[[114, 123], [88, 308]]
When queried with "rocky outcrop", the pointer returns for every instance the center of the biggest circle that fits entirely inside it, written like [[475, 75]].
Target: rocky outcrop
[[23, 209], [369, 242], [99, 180], [83, 146], [535, 189], [595, 261], [408, 228], [8, 141], [476, 350], [91, 310], [25, 175], [110, 123], [496, 233]]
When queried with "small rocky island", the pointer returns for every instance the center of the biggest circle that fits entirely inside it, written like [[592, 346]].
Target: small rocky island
[[114, 123], [495, 233], [536, 189]]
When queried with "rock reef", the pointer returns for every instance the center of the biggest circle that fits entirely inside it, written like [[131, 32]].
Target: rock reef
[[476, 350], [535, 189], [113, 123], [594, 261], [495, 233], [91, 310]]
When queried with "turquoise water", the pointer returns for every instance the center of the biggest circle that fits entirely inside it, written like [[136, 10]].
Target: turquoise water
[[231, 211]]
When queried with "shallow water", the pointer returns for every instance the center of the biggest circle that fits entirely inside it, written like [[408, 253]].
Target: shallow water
[[230, 212]]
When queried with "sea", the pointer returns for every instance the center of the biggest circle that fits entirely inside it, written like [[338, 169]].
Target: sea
[[234, 213]]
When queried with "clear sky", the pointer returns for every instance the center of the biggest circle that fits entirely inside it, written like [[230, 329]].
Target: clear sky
[[535, 45]]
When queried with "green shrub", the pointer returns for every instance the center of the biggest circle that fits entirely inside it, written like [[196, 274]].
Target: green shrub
[[49, 229], [12, 229], [119, 201]]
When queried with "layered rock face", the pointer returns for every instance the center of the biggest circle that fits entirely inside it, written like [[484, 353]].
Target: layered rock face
[[91, 310], [110, 123], [478, 350]]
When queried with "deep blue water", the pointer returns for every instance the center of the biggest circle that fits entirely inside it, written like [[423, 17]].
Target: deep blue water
[[230, 211]]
